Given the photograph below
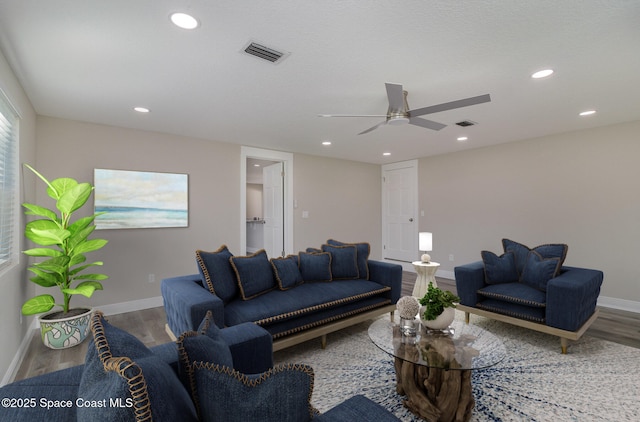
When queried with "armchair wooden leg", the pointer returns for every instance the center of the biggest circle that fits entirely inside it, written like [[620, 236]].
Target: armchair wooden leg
[[564, 343], [323, 341], [466, 317], [391, 314]]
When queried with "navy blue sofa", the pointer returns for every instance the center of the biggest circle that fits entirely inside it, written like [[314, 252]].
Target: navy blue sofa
[[187, 381], [531, 288], [305, 300]]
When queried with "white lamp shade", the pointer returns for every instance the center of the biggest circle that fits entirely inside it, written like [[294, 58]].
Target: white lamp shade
[[425, 241]]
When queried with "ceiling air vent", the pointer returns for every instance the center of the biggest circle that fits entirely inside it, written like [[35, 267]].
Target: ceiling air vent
[[265, 53], [466, 123]]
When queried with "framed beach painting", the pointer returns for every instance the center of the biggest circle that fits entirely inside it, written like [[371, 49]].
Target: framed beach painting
[[140, 199]]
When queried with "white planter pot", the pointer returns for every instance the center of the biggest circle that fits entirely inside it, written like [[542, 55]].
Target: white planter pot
[[61, 333], [443, 320]]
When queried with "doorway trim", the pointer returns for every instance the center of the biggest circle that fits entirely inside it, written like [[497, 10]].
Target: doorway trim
[[265, 154]]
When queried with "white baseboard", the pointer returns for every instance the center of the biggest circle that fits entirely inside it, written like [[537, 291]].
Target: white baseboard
[[112, 309], [622, 304]]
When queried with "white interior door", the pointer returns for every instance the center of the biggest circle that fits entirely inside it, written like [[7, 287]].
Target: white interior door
[[400, 211], [272, 208]]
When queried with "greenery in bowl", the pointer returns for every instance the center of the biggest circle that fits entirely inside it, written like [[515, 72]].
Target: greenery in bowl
[[435, 300], [64, 244]]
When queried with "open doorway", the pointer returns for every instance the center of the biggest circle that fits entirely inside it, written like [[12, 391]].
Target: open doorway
[[266, 195]]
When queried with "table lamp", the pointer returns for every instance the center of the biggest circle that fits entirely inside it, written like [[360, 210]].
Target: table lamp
[[425, 243]]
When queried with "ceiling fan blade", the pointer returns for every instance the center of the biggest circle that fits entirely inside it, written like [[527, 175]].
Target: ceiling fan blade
[[395, 95], [450, 105], [429, 124], [371, 129], [352, 115]]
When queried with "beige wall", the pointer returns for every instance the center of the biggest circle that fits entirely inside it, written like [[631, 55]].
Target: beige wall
[[327, 188], [12, 281], [343, 199], [580, 188]]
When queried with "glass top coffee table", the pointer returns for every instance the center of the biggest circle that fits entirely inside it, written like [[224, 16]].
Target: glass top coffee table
[[433, 368]]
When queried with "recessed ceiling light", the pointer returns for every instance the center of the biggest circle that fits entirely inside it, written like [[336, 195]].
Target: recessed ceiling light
[[326, 142], [141, 109], [184, 21], [386, 153], [588, 113], [542, 73], [462, 138], [256, 165]]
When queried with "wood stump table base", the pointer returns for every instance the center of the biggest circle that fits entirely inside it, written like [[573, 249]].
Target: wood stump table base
[[435, 394]]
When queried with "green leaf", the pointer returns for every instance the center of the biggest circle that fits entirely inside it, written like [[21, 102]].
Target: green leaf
[[77, 259], [84, 267], [38, 305], [74, 198], [48, 237], [79, 236], [42, 252], [40, 225], [92, 277], [89, 246], [46, 279], [40, 211], [81, 224], [58, 264], [62, 186], [44, 282], [85, 289], [50, 188]]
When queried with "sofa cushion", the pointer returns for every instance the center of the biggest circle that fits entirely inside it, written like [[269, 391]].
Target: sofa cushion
[[217, 273], [555, 250], [363, 251], [315, 266], [286, 272], [281, 394], [516, 292], [538, 270], [344, 263], [254, 274], [499, 269], [133, 383]]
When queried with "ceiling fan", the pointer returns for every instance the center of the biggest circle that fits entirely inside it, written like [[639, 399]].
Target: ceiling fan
[[399, 112]]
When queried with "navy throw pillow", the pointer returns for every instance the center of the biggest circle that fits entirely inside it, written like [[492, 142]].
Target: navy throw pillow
[[286, 272], [499, 269], [344, 263], [538, 270], [217, 273], [315, 266], [364, 249], [521, 252], [254, 274]]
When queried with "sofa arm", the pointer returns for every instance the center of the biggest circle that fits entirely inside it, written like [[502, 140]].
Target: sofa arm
[[572, 297], [186, 303], [387, 274], [469, 279], [251, 347]]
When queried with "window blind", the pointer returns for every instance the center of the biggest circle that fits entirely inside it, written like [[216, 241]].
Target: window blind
[[8, 182]]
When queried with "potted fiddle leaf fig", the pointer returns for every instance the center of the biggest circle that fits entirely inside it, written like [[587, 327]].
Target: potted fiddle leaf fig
[[437, 311], [62, 245]]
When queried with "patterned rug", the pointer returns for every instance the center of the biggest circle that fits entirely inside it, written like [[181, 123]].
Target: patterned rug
[[596, 381]]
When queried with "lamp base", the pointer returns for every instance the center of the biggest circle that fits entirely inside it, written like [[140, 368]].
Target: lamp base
[[426, 258]]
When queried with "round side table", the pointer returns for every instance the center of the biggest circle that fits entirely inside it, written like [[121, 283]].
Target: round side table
[[426, 273]]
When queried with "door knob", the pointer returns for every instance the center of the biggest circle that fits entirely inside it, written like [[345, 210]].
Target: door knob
[[411, 220]]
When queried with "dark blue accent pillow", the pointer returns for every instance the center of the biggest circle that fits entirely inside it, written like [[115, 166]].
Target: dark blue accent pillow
[[363, 251], [119, 367], [254, 274], [286, 272], [315, 266], [521, 252], [538, 270], [282, 394], [499, 269], [217, 273], [344, 263]]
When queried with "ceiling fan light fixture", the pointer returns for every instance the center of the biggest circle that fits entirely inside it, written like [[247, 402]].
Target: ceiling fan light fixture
[[398, 120]]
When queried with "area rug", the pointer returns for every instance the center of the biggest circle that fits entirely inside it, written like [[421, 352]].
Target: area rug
[[597, 380]]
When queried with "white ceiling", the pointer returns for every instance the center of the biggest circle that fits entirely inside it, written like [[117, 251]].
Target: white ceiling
[[94, 60]]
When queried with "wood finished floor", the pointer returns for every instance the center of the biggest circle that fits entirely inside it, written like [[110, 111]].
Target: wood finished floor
[[148, 325]]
